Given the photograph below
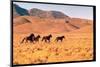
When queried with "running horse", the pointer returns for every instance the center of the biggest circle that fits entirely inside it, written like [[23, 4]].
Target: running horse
[[29, 38], [60, 38], [47, 38]]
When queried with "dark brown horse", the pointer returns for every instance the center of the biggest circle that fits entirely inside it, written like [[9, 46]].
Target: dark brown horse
[[60, 38], [36, 39], [29, 38], [47, 38]]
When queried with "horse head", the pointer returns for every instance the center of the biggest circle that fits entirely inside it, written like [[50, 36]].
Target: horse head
[[32, 35], [63, 37], [39, 36], [50, 35]]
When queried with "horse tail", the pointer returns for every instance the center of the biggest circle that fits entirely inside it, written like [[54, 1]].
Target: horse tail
[[23, 40], [42, 39], [55, 40]]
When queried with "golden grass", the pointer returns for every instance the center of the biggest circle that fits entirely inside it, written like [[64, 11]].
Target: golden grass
[[76, 47]]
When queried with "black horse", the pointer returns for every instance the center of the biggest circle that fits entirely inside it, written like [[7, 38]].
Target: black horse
[[60, 38], [36, 39], [29, 38], [47, 38]]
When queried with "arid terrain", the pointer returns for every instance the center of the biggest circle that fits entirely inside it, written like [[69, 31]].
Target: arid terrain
[[77, 45]]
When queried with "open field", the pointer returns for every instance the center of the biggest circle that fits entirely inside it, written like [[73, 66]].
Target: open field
[[75, 47]]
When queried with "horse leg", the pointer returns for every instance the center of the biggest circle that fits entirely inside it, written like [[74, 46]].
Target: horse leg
[[42, 39], [32, 41], [38, 40], [46, 40], [49, 40], [23, 40], [61, 40], [26, 41], [57, 40]]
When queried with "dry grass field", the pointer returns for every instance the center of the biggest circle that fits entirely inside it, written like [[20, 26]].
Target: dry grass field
[[77, 46]]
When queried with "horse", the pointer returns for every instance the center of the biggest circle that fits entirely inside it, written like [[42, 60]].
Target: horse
[[60, 38], [36, 39], [46, 38], [28, 38]]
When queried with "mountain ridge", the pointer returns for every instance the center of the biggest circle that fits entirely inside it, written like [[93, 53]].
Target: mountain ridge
[[19, 11]]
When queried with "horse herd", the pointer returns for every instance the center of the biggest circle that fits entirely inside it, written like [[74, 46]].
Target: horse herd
[[32, 38]]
